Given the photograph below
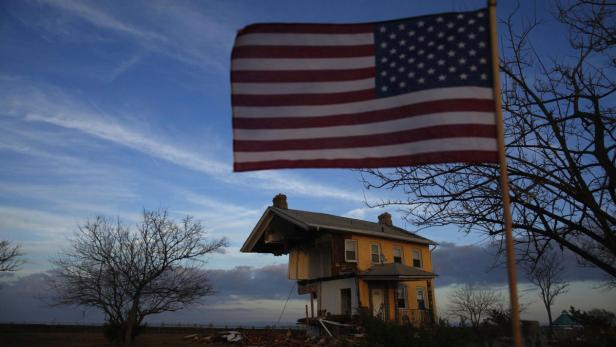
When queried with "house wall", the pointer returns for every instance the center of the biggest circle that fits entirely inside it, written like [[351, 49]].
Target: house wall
[[387, 249], [411, 290], [310, 263], [328, 295], [387, 245]]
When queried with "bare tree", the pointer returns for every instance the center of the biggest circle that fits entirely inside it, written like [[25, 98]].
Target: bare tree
[[133, 274], [9, 256], [547, 274], [473, 302], [560, 118]]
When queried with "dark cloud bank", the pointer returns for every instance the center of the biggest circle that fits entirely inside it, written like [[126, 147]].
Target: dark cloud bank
[[24, 299], [472, 263]]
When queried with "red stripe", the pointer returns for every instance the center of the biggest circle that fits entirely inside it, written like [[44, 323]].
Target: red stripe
[[406, 136], [471, 157], [452, 105], [302, 76], [302, 51], [286, 28], [302, 99]]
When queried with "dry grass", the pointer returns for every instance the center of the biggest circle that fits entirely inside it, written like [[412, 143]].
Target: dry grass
[[72, 336]]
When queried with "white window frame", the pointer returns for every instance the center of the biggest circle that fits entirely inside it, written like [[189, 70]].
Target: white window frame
[[417, 251], [378, 246], [348, 242], [393, 252]]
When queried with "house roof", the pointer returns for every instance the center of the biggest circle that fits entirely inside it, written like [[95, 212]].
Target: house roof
[[328, 221], [314, 221], [564, 320], [395, 271]]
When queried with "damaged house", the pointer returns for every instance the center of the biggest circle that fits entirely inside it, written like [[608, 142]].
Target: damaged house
[[346, 264]]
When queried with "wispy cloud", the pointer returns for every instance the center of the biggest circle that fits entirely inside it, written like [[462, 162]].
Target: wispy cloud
[[123, 67], [51, 105], [194, 35]]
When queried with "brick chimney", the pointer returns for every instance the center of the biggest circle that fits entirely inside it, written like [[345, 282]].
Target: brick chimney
[[385, 219], [280, 201]]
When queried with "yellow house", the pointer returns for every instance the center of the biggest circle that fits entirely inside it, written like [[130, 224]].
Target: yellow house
[[347, 265]]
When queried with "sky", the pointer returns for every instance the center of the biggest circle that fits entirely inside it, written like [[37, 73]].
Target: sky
[[109, 108]]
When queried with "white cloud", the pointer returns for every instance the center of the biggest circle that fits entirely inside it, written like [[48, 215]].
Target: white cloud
[[17, 222], [46, 104], [123, 67], [190, 34]]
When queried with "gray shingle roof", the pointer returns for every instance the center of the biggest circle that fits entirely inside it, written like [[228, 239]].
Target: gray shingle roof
[[395, 271], [328, 221]]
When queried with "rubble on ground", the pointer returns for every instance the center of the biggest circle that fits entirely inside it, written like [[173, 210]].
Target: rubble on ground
[[270, 337]]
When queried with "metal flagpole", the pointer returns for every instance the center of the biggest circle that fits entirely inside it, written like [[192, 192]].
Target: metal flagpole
[[504, 182]]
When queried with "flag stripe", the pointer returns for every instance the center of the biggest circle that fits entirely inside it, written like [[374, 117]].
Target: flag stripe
[[302, 51], [399, 137], [469, 156], [278, 64], [364, 106], [418, 122], [426, 146], [404, 92], [302, 88], [302, 99], [418, 109], [307, 28], [302, 76], [292, 39]]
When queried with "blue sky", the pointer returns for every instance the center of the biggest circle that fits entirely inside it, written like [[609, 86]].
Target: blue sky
[[112, 107]]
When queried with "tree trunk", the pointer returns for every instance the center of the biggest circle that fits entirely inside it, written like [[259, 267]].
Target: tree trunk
[[130, 323]]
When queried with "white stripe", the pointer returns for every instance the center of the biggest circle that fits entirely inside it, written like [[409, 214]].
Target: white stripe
[[424, 121], [302, 88], [275, 64], [287, 39], [420, 147], [364, 106]]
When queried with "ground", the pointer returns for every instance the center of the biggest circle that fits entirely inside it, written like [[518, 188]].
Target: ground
[[72, 336]]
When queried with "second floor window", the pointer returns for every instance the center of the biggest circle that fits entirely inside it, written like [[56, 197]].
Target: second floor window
[[350, 251], [375, 253], [416, 258], [398, 255]]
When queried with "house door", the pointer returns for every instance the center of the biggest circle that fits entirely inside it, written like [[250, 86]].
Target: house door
[[421, 303], [378, 303], [345, 301]]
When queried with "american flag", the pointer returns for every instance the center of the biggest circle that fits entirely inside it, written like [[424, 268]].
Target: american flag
[[397, 93]]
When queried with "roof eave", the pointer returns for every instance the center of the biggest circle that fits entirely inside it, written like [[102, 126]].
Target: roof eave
[[363, 232], [397, 278], [259, 229]]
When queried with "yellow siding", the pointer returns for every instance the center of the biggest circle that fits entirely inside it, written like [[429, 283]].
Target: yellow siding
[[298, 265], [364, 262], [364, 299], [363, 249]]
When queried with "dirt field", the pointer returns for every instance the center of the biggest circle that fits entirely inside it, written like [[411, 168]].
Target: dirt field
[[72, 336]]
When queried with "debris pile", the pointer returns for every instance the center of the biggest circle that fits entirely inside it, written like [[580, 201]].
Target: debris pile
[[256, 337]]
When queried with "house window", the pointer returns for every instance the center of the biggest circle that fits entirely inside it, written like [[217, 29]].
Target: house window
[[398, 255], [416, 258], [350, 251], [375, 253], [421, 303], [401, 294]]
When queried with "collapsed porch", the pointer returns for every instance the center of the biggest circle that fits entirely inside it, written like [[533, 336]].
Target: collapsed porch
[[392, 292]]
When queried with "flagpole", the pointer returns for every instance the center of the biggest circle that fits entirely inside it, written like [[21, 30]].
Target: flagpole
[[504, 182]]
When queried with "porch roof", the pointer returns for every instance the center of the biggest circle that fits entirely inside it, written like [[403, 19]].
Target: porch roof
[[395, 272]]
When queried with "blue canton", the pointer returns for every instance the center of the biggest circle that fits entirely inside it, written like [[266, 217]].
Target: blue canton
[[445, 50]]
